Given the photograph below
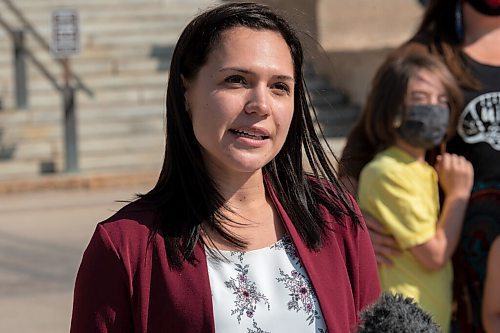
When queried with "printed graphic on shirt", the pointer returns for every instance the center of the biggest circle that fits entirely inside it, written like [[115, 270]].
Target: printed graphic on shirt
[[480, 120], [301, 294], [300, 290], [248, 299], [256, 329], [286, 244], [247, 295]]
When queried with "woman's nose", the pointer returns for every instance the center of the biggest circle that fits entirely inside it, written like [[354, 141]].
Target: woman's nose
[[258, 101]]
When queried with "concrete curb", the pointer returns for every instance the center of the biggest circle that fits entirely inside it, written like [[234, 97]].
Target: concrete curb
[[78, 181]]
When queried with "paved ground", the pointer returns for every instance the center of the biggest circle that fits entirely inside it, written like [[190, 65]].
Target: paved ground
[[42, 237]]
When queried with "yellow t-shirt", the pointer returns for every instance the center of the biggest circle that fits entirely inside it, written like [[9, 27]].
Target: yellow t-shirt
[[402, 194]]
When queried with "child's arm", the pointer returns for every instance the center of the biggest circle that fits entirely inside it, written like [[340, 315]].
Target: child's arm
[[456, 177], [491, 294]]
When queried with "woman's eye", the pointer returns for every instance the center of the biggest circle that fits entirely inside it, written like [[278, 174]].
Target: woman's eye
[[281, 87], [235, 80]]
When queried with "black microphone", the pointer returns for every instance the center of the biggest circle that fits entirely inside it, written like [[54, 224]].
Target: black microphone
[[396, 314]]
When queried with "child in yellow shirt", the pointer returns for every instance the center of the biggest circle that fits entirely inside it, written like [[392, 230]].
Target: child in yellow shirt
[[412, 106]]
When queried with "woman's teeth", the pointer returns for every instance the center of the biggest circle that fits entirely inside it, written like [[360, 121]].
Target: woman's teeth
[[249, 134]]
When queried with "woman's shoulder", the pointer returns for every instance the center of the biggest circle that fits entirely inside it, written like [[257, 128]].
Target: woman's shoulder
[[132, 223]]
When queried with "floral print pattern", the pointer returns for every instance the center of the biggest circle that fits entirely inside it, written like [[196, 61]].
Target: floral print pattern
[[301, 294], [246, 293], [251, 303], [256, 329], [286, 244]]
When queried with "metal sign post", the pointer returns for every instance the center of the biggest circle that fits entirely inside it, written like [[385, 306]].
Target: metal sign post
[[20, 70], [66, 43]]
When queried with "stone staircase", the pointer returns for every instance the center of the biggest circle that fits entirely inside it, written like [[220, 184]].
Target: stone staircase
[[126, 45], [126, 49], [335, 113]]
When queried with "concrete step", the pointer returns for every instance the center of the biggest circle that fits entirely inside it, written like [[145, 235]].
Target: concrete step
[[39, 13], [94, 73], [94, 129], [104, 19], [142, 95], [135, 151], [118, 2], [12, 169], [102, 113], [119, 5], [89, 70], [146, 142], [91, 51], [102, 81], [89, 141], [133, 22], [20, 169], [125, 161], [51, 100], [29, 150], [32, 150], [91, 41]]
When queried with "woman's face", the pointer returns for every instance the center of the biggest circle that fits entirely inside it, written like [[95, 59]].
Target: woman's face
[[426, 88], [241, 101]]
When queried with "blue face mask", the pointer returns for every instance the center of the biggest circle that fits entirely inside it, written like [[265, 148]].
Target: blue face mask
[[424, 126]]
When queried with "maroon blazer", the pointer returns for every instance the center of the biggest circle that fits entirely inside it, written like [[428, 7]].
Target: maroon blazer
[[125, 284]]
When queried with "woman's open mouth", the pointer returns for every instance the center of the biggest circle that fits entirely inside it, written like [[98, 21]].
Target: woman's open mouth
[[250, 134]]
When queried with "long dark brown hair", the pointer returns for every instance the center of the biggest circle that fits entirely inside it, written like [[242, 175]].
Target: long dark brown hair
[[187, 199]]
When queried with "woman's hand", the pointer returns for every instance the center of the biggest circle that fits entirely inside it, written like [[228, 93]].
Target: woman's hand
[[384, 244]]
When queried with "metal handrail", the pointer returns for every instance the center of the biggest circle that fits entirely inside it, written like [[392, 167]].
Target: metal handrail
[[39, 38], [67, 90], [34, 59]]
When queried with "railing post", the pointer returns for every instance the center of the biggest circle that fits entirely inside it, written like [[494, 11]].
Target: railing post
[[70, 133], [20, 70]]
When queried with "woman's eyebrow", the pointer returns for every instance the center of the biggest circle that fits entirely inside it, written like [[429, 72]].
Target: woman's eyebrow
[[246, 71]]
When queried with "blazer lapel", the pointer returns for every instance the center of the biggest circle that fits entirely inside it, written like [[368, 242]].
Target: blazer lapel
[[328, 274]]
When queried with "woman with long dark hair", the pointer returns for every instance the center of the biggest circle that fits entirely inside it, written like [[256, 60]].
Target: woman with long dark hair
[[235, 236]]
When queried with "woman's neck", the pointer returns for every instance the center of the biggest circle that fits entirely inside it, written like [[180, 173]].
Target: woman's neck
[[251, 215], [243, 192], [482, 36]]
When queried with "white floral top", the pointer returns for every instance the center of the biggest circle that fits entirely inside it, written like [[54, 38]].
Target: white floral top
[[263, 291]]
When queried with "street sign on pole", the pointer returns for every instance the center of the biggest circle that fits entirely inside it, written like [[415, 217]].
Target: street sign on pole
[[66, 43], [65, 33]]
